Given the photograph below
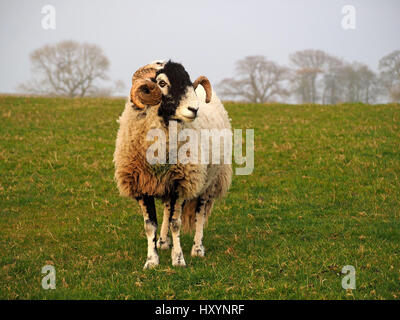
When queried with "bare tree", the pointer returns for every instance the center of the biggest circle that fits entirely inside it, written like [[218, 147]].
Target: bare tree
[[308, 64], [258, 80], [67, 68], [319, 76], [389, 67], [331, 82], [359, 83], [369, 83]]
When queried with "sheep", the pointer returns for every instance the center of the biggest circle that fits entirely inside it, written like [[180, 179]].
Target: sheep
[[163, 95]]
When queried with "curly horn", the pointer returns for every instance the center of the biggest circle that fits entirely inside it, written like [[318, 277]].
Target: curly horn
[[145, 72], [145, 93], [206, 85]]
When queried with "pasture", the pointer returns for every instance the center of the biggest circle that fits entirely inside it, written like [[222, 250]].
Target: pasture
[[324, 193]]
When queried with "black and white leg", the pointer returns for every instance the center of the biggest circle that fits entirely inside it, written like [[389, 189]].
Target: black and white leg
[[163, 242], [198, 248], [150, 226], [175, 227]]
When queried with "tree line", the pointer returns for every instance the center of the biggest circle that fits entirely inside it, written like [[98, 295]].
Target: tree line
[[74, 69], [314, 77]]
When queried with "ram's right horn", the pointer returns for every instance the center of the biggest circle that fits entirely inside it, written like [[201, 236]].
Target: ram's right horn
[[145, 93]]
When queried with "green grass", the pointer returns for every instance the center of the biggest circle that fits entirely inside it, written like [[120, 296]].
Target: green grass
[[324, 193]]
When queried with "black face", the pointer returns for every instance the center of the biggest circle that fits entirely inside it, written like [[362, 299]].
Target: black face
[[179, 80]]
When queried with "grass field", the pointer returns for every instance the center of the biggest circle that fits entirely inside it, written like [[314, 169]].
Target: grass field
[[325, 193]]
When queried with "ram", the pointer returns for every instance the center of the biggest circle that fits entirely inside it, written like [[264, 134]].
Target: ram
[[162, 95]]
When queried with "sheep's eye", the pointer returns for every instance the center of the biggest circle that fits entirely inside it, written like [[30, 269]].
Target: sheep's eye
[[162, 83]]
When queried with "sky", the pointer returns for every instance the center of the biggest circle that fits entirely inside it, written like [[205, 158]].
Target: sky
[[206, 36]]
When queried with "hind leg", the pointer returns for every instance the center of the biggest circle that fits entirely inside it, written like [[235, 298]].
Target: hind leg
[[200, 211], [164, 242], [175, 222], [203, 210]]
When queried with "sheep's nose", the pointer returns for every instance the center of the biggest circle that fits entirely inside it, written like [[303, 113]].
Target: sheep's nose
[[194, 110]]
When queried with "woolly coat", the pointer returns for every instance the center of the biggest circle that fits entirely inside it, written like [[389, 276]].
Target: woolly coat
[[136, 177]]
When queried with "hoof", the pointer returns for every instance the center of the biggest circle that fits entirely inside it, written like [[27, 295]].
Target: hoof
[[163, 244], [178, 260], [151, 262], [198, 251]]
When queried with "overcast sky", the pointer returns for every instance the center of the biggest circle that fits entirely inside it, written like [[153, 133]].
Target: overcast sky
[[206, 36]]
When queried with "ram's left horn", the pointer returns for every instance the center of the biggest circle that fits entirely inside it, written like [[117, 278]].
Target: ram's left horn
[[206, 85]]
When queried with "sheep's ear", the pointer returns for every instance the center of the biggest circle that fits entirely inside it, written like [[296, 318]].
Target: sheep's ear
[[145, 93], [206, 85]]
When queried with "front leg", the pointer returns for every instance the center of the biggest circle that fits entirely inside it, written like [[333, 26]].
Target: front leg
[[175, 226], [150, 226]]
